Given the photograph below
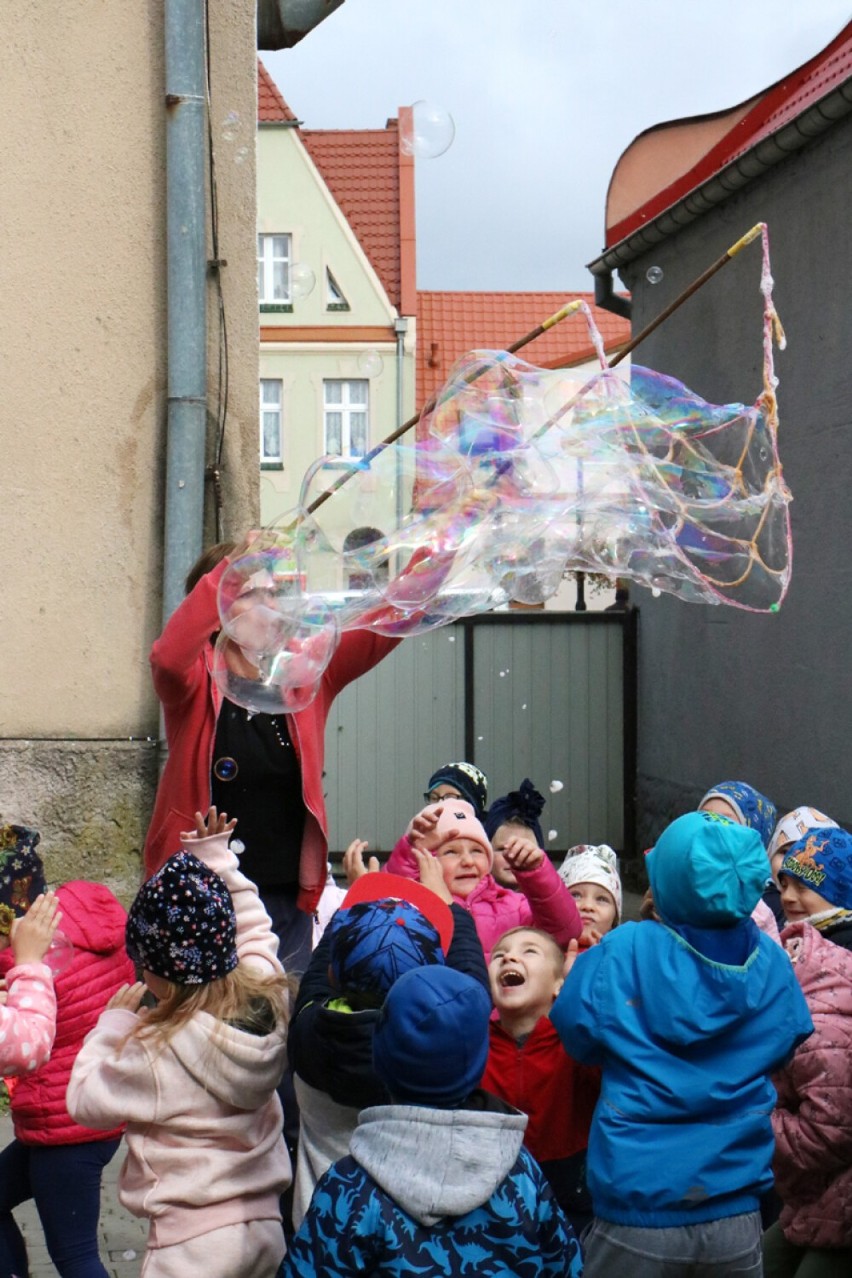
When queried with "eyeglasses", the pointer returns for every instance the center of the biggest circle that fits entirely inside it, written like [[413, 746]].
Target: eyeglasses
[[432, 796]]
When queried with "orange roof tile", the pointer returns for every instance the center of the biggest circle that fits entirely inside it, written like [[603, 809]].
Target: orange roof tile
[[451, 324], [361, 168], [271, 107]]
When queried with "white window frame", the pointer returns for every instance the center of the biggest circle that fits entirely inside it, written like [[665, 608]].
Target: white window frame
[[334, 296], [346, 407], [274, 250], [269, 407]]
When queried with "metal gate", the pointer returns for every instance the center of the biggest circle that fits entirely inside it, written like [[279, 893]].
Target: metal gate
[[545, 695]]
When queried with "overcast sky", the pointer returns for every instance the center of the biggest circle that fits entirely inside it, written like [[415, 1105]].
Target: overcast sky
[[545, 96]]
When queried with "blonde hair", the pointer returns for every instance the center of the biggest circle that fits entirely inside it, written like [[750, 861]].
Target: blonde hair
[[245, 997]]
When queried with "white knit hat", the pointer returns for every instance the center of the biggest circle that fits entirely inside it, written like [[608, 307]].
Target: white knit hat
[[794, 824], [589, 863]]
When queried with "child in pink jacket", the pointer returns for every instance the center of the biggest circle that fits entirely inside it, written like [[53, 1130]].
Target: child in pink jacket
[[811, 1122], [195, 1077], [28, 1007], [450, 832]]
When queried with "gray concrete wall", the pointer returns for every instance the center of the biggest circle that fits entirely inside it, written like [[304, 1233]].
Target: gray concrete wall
[[725, 694]]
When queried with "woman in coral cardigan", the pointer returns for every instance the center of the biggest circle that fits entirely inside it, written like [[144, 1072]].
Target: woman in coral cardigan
[[264, 769]]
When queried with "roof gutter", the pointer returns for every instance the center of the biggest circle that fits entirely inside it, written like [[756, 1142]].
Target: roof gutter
[[768, 152], [283, 23]]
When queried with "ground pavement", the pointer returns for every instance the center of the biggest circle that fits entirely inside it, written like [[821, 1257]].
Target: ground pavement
[[121, 1236]]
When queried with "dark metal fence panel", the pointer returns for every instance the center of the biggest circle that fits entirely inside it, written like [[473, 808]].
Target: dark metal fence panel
[[545, 695]]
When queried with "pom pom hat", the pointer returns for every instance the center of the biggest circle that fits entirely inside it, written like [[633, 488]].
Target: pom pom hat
[[707, 871], [431, 1043], [182, 925]]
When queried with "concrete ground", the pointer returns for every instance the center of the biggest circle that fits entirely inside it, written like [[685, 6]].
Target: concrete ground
[[121, 1236]]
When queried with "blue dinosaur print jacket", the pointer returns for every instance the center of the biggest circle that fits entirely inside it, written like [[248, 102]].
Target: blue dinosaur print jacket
[[435, 1193]]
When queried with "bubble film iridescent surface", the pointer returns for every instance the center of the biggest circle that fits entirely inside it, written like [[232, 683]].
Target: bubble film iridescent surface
[[518, 476]]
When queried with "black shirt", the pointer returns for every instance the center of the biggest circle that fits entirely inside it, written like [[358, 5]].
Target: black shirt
[[257, 779]]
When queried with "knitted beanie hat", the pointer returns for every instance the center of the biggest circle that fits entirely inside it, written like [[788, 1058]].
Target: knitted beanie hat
[[374, 942], [431, 1043], [21, 873], [182, 924], [457, 821], [471, 784], [523, 806], [707, 871], [795, 824], [752, 807], [822, 860], [589, 863]]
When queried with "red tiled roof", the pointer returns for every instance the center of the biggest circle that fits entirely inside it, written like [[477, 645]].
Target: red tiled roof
[[361, 169], [271, 107], [780, 104], [370, 180], [451, 324]]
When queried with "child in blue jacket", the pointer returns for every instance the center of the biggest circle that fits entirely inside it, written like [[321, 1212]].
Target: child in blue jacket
[[687, 1018], [437, 1183]]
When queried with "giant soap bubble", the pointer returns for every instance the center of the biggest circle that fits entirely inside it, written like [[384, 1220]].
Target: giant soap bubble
[[518, 476]]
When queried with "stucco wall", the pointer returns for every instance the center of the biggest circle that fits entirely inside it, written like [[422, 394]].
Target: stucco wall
[[82, 417], [725, 694]]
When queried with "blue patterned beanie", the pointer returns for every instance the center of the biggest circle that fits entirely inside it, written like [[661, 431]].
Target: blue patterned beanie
[[822, 860], [752, 807], [374, 942], [182, 924], [471, 784]]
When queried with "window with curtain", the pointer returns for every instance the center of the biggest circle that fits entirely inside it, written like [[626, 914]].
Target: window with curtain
[[273, 268], [271, 441], [346, 416]]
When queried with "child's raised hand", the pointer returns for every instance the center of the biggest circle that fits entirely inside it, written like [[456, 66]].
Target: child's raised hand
[[32, 934], [129, 997], [522, 854], [353, 861], [423, 826], [431, 875], [571, 956], [214, 823]]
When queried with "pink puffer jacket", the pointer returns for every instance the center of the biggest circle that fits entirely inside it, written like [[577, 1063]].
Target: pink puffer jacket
[[813, 1131], [93, 920]]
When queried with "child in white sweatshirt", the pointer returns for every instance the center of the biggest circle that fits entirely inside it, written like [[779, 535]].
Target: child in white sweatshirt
[[195, 1077]]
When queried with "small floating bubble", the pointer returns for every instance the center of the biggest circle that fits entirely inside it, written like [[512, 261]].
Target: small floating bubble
[[556, 786], [654, 274]]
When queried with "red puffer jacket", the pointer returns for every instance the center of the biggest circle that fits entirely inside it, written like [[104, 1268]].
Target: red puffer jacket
[[813, 1134], [93, 920]]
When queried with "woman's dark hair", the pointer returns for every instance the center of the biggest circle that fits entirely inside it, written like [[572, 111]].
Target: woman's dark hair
[[206, 562]]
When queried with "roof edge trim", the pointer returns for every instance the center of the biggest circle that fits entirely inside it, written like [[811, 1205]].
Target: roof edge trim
[[766, 153]]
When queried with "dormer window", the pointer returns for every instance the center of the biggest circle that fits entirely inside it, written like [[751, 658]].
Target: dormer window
[[334, 299]]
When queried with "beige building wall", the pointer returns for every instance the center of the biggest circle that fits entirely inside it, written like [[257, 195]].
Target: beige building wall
[[83, 411], [293, 199]]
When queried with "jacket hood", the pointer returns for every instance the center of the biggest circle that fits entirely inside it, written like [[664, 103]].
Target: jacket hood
[[92, 918], [238, 1068], [823, 969], [707, 871], [437, 1162], [704, 998]]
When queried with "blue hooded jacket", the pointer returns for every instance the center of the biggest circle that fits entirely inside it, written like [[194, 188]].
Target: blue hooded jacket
[[688, 1019]]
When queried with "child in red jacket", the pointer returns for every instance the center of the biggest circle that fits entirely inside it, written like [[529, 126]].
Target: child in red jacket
[[529, 1068], [52, 1159]]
